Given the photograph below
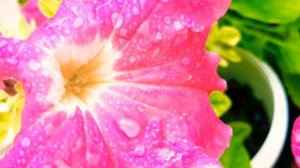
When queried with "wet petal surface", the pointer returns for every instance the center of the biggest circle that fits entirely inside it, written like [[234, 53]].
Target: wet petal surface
[[296, 141], [118, 84]]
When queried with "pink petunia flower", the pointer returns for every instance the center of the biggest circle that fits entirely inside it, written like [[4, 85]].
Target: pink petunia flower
[[113, 83], [296, 141]]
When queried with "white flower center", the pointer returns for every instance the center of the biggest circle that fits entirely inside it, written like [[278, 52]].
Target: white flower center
[[86, 71]]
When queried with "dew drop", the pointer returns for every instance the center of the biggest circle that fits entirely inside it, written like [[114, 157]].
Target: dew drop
[[12, 61], [46, 166], [118, 22], [132, 59], [158, 36], [156, 51], [25, 142], [136, 11], [167, 20], [34, 65], [21, 153], [178, 25], [123, 32], [67, 31], [139, 150], [130, 127], [77, 23], [141, 109], [10, 49], [92, 159], [198, 65], [198, 28], [166, 154], [2, 43], [185, 61]]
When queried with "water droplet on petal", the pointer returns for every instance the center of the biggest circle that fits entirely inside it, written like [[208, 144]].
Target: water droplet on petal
[[139, 150], [12, 61], [185, 61], [21, 153], [167, 20], [136, 11], [198, 28], [158, 36], [178, 25], [141, 109], [123, 32], [77, 23], [25, 142], [130, 127], [118, 21], [132, 59], [92, 159], [166, 154], [156, 51], [34, 65], [10, 49], [67, 31]]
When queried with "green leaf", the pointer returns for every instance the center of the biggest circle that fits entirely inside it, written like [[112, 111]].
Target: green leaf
[[220, 102], [230, 54], [22, 2], [237, 155], [229, 35], [49, 7], [241, 131], [222, 41], [226, 35], [289, 59], [292, 83], [269, 11]]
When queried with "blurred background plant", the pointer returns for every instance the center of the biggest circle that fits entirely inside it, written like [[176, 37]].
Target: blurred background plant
[[269, 30]]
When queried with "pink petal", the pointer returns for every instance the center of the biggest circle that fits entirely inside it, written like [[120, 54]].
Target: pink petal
[[23, 62], [152, 108], [296, 141], [57, 141], [184, 114], [31, 12]]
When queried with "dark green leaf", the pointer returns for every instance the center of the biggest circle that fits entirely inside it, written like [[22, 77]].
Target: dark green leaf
[[269, 11], [292, 83], [241, 131], [235, 156]]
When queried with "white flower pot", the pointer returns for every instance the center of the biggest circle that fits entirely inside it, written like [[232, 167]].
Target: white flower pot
[[268, 89]]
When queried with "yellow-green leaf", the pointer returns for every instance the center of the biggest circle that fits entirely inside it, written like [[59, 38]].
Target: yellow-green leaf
[[229, 35], [49, 7], [220, 102]]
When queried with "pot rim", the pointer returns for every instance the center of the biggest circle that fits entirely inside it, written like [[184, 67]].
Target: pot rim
[[269, 152], [264, 83]]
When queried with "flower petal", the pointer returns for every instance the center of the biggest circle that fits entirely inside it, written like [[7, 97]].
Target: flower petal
[[32, 13], [177, 108], [25, 63], [296, 141], [151, 105]]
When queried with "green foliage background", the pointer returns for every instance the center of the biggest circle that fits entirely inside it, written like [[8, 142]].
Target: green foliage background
[[271, 31]]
